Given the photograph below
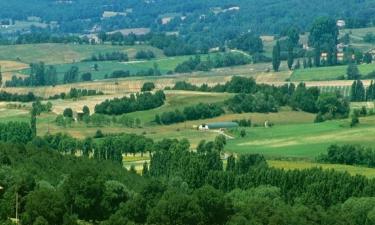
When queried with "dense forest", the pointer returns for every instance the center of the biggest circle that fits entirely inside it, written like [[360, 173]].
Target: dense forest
[[177, 186], [210, 20]]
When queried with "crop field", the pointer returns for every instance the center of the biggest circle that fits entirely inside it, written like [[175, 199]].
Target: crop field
[[303, 140], [344, 90], [328, 73], [299, 165], [64, 53]]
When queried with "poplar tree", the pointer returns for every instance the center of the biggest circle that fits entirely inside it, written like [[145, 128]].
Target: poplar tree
[[276, 61]]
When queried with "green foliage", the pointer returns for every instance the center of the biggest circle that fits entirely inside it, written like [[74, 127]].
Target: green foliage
[[148, 86], [276, 60], [138, 102], [358, 91], [352, 72], [17, 132], [349, 155]]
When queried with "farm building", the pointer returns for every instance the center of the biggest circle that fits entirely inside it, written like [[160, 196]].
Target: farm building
[[217, 126]]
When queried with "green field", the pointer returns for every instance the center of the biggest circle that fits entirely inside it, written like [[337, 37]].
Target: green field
[[64, 53], [107, 67], [328, 73], [300, 165], [303, 140]]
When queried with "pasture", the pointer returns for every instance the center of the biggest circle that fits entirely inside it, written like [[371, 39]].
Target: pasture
[[327, 73]]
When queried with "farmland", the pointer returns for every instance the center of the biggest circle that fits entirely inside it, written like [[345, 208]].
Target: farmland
[[328, 73], [64, 53], [303, 140]]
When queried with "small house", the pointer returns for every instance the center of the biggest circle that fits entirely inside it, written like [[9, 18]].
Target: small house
[[218, 126]]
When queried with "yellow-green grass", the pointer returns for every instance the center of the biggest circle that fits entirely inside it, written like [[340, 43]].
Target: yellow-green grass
[[328, 73], [64, 53], [179, 100], [300, 165], [303, 140]]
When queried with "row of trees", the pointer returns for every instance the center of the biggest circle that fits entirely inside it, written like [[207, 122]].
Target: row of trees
[[359, 93], [138, 102], [42, 75], [253, 97], [349, 155], [178, 186], [76, 93], [195, 112], [110, 56], [10, 97], [216, 61], [17, 132]]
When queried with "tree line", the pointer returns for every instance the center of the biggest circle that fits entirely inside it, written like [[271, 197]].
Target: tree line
[[138, 102], [359, 93], [349, 155], [10, 97], [177, 186], [109, 56], [195, 112], [253, 97], [216, 61]]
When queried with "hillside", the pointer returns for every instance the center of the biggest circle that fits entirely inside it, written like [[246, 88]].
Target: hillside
[[240, 15]]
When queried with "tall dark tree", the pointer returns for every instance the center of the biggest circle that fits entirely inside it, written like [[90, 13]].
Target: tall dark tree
[[1, 77], [352, 72], [290, 57], [358, 92], [276, 57], [324, 37]]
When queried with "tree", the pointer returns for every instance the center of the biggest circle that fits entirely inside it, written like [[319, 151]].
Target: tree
[[324, 37], [220, 142], [86, 77], [309, 62], [86, 110], [44, 203], [317, 53], [1, 77], [367, 58], [145, 171], [243, 133], [276, 61], [148, 86], [68, 112], [354, 121], [358, 92], [71, 75], [51, 76], [352, 72], [290, 57]]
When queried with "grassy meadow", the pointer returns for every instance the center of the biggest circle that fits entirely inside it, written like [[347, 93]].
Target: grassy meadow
[[303, 140], [327, 73]]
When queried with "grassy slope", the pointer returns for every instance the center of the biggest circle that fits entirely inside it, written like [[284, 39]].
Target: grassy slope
[[303, 140], [63, 53], [327, 73]]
